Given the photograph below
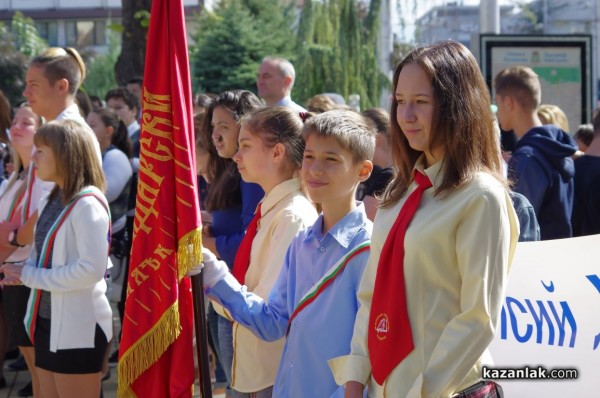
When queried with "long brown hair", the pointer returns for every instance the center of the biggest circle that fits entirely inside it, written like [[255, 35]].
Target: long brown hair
[[76, 160], [462, 121], [225, 191]]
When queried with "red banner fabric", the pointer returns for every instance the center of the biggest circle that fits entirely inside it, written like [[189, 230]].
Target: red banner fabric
[[156, 353]]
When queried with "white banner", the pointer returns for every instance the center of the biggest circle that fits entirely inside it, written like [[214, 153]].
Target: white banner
[[551, 321]]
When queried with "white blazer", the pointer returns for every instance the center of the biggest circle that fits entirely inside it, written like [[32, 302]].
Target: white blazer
[[76, 279]]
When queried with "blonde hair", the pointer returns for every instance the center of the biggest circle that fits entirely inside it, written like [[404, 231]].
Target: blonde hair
[[76, 160], [552, 114], [62, 63], [320, 103]]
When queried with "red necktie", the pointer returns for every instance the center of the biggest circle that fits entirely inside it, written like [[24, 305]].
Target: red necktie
[[390, 337], [242, 257]]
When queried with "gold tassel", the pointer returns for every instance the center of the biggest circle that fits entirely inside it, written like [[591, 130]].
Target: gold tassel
[[147, 350], [189, 252]]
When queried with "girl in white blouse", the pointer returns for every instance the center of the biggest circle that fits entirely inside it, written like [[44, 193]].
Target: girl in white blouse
[[68, 317]]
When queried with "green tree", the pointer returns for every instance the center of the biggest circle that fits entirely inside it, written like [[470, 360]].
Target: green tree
[[25, 36], [336, 46], [100, 69], [232, 41], [401, 50], [18, 43]]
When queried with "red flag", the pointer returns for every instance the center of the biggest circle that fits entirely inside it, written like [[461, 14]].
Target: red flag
[[156, 353]]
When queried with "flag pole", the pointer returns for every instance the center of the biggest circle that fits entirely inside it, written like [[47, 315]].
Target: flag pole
[[201, 336]]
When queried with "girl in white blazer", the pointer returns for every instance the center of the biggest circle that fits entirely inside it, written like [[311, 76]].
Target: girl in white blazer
[[68, 315]]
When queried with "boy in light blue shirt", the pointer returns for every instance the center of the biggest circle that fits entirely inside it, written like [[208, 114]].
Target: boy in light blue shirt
[[314, 299]]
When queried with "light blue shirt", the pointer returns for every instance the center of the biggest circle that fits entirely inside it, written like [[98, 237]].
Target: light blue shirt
[[323, 330], [287, 101]]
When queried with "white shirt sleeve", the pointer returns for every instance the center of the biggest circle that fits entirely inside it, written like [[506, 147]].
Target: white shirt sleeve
[[117, 171]]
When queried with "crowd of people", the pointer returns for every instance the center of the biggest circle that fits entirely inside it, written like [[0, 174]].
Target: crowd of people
[[343, 252]]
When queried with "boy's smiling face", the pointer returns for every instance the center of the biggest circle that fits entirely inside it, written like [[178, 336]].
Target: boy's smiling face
[[329, 172]]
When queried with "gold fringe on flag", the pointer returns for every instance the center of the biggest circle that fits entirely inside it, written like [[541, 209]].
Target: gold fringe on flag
[[189, 252], [147, 350]]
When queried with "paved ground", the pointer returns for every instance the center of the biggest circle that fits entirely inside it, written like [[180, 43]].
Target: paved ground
[[18, 380]]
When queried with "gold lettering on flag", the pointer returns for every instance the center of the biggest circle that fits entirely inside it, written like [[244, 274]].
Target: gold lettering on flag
[[167, 234]]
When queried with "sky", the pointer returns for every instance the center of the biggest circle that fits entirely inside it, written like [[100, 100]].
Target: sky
[[422, 6]]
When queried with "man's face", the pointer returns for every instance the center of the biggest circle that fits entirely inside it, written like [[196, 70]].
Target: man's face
[[270, 82]]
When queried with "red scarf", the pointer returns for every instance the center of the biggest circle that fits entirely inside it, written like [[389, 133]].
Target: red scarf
[[242, 257], [390, 337]]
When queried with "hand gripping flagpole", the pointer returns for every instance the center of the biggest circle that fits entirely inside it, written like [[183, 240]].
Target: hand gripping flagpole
[[201, 336]]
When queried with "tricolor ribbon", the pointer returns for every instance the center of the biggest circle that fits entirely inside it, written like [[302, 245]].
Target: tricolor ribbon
[[44, 257]]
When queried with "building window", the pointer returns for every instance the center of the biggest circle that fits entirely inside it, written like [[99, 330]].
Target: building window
[[85, 33], [48, 30]]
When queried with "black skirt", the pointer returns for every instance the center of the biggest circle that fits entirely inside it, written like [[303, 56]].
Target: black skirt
[[70, 361], [15, 307]]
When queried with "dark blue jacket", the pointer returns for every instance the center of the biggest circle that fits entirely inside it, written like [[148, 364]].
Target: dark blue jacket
[[541, 166], [529, 229], [229, 225]]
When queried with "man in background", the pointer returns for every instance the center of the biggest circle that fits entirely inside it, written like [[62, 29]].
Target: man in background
[[275, 81]]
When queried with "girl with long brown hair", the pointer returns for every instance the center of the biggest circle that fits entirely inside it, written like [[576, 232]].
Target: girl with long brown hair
[[442, 242]]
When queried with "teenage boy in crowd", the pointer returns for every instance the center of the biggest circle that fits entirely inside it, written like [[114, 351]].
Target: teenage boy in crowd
[[540, 165], [314, 301]]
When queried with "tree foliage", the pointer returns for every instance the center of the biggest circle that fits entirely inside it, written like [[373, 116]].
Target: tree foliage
[[232, 41], [25, 36], [401, 50], [333, 47], [18, 43], [337, 51], [101, 69]]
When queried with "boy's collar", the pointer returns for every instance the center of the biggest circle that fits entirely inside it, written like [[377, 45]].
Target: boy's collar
[[344, 230]]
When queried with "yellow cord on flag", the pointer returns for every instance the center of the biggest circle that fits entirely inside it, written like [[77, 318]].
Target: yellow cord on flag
[[189, 251], [149, 348]]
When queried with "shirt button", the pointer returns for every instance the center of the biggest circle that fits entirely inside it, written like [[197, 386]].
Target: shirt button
[[292, 364], [322, 249]]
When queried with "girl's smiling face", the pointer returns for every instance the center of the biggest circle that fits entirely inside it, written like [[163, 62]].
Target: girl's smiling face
[[23, 128], [414, 95], [225, 132]]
